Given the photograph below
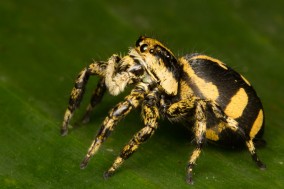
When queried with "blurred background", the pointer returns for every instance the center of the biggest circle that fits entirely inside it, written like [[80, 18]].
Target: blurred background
[[44, 45]]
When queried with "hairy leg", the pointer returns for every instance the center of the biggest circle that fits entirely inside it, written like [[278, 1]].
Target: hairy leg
[[116, 114], [95, 99], [150, 115], [199, 132], [178, 110], [117, 73], [252, 150], [77, 92], [234, 126]]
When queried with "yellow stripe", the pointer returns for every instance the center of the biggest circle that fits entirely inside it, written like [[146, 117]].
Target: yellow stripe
[[247, 82], [213, 133], [237, 104], [210, 134], [221, 64], [257, 124], [208, 89]]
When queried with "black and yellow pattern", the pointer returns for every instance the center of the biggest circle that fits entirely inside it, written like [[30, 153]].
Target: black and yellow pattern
[[210, 79], [78, 90], [116, 114], [95, 99], [150, 115], [214, 101]]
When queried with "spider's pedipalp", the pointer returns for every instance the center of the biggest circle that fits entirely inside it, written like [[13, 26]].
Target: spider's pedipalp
[[120, 72], [115, 75]]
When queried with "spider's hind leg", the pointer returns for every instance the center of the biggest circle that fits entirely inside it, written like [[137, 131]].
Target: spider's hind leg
[[233, 125]]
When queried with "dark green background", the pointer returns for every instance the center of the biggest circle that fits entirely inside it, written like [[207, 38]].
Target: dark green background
[[44, 44]]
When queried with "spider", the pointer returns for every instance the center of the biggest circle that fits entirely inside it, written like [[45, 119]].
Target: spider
[[211, 99]]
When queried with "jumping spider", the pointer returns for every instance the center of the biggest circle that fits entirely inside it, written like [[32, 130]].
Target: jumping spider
[[222, 104]]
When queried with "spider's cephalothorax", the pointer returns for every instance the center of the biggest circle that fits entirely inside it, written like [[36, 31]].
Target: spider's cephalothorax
[[215, 102]]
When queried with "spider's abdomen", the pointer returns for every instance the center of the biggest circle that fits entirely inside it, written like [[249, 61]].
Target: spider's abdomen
[[210, 79]]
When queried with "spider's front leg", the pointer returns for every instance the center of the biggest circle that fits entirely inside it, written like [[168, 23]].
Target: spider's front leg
[[116, 114], [116, 74], [95, 99], [150, 115], [96, 68]]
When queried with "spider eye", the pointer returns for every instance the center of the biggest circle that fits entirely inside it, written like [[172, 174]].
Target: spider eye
[[143, 48]]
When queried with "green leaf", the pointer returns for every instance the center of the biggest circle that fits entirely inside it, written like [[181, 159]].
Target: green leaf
[[44, 45]]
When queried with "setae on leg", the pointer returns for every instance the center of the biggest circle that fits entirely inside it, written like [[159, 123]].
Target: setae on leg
[[150, 114], [116, 114]]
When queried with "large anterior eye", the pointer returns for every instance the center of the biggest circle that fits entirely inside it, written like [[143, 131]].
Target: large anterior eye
[[143, 47]]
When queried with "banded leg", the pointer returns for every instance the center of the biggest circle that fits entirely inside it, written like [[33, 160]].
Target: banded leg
[[254, 156], [117, 113], [95, 99], [179, 109], [78, 90], [117, 73], [199, 131], [150, 115], [233, 125]]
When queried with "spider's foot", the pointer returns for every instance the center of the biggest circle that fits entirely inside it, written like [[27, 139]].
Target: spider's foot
[[84, 163], [63, 131], [108, 174], [85, 119], [189, 179], [261, 165]]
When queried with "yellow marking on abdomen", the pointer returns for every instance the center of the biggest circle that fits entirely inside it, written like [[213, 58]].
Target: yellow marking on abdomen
[[247, 82], [204, 57], [237, 104], [257, 124], [211, 135], [208, 89]]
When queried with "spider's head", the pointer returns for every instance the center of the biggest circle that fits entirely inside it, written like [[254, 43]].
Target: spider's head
[[160, 63]]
